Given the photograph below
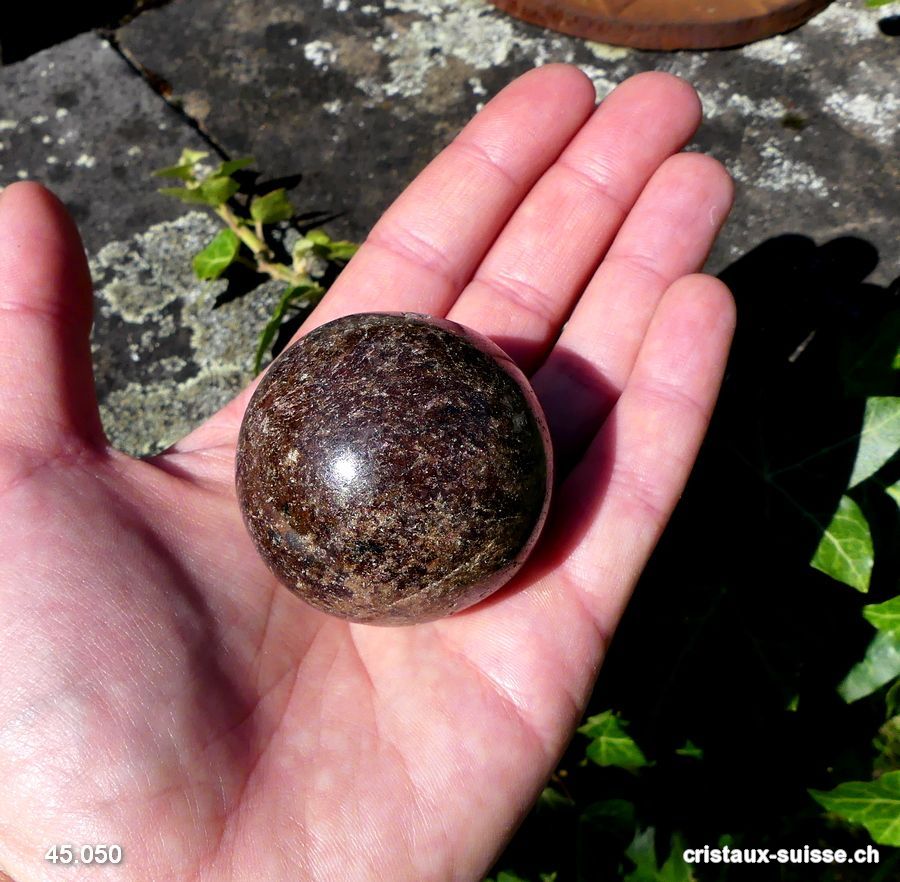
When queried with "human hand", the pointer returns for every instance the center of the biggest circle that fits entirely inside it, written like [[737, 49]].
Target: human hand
[[159, 690]]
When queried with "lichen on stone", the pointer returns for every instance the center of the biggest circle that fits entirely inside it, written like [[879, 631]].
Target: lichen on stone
[[185, 356]]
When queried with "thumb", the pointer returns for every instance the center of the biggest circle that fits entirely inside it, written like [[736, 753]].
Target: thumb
[[47, 398]]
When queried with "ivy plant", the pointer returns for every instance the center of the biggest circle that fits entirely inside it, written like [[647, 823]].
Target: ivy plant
[[615, 819], [845, 552], [249, 218], [752, 698]]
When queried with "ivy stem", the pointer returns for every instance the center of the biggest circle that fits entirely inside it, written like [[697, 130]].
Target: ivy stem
[[255, 243], [280, 271]]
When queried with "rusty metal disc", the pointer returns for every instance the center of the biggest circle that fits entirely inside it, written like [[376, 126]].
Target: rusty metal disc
[[666, 24]]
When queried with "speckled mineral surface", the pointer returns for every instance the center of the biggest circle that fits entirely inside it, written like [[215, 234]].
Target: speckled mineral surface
[[394, 468]]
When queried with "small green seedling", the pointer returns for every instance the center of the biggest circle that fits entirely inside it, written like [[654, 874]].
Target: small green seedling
[[244, 238]]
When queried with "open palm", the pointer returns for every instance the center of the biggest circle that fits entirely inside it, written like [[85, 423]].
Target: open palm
[[160, 691]]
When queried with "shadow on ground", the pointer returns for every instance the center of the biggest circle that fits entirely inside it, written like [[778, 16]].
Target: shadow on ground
[[732, 640]]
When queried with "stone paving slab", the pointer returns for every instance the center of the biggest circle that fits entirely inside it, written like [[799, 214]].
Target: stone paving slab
[[78, 118], [169, 350], [359, 97]]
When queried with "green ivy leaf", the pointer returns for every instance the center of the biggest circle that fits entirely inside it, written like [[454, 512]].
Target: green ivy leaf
[[611, 745], [553, 800], [892, 700], [191, 157], [676, 869], [880, 665], [184, 168], [213, 192], [230, 166], [894, 492], [884, 616], [293, 294], [272, 207], [213, 260], [318, 237], [217, 191], [879, 439], [874, 804], [845, 550], [342, 250], [690, 749], [642, 853], [301, 248], [181, 172], [876, 4], [185, 195]]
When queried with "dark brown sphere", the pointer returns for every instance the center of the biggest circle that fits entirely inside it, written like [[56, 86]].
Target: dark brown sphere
[[393, 468]]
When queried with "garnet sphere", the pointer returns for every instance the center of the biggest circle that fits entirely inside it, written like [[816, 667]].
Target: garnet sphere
[[394, 468]]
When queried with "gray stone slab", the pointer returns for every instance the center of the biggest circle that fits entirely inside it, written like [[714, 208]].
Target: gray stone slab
[[168, 349], [79, 119], [360, 97]]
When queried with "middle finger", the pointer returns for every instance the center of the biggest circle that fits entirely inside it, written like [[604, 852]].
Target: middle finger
[[532, 276]]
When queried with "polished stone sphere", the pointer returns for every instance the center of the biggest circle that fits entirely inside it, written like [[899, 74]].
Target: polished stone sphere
[[393, 468]]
